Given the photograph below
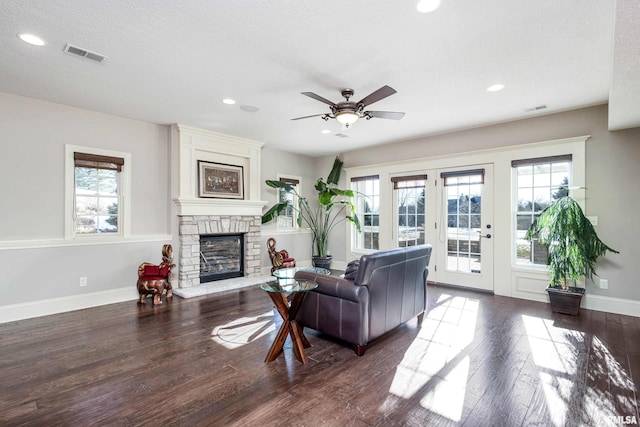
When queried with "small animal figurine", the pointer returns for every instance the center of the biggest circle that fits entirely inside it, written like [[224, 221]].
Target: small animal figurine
[[155, 279]]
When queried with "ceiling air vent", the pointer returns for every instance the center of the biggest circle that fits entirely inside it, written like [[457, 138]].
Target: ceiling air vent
[[78, 51], [537, 108]]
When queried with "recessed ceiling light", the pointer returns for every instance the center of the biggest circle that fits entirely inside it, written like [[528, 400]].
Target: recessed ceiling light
[[229, 101], [325, 131], [31, 39], [495, 88], [426, 6], [249, 108]]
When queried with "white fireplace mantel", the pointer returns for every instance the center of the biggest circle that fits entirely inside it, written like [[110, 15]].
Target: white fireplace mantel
[[190, 145], [192, 206], [193, 215]]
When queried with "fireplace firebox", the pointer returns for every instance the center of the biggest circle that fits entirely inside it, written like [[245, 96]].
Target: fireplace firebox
[[221, 257]]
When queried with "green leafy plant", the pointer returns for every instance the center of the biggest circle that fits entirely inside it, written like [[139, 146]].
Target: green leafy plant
[[334, 207], [574, 245]]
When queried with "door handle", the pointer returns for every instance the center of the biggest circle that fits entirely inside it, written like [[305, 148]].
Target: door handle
[[487, 236]]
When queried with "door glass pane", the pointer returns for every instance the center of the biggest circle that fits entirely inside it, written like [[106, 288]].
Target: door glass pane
[[411, 209], [464, 209]]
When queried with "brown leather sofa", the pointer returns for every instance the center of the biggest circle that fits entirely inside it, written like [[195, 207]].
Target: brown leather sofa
[[389, 289]]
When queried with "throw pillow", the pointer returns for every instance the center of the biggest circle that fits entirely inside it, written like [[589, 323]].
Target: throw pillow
[[352, 270]]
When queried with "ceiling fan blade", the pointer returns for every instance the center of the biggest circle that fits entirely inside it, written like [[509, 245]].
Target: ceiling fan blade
[[393, 115], [318, 98], [306, 117], [376, 96]]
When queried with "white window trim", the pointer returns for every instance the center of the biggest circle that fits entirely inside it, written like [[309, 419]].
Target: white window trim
[[124, 227], [507, 276], [352, 239], [295, 227]]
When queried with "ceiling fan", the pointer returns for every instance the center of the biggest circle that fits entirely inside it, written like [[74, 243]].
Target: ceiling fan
[[348, 112]]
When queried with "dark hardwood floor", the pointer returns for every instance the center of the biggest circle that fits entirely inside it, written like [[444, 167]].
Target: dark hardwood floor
[[476, 360]]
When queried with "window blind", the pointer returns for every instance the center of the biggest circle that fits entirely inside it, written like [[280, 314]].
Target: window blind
[[84, 160]]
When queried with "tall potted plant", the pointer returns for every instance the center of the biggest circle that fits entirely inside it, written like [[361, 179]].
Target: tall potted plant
[[333, 207], [574, 247]]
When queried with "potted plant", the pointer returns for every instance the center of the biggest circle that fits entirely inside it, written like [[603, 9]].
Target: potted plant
[[333, 207], [574, 247]]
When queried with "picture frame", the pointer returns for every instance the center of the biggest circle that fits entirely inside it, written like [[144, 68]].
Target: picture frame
[[219, 180]]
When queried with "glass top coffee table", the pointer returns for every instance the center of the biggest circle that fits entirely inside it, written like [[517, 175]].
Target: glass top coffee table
[[286, 275], [278, 293]]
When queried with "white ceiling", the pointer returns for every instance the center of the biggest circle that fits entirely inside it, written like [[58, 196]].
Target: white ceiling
[[174, 61]]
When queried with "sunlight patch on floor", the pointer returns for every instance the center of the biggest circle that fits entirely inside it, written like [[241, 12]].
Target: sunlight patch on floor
[[559, 353], [434, 367], [243, 330]]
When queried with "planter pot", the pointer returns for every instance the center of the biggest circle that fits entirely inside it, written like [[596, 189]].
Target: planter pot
[[322, 261], [566, 302]]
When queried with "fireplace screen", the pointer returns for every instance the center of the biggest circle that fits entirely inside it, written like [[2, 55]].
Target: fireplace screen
[[221, 257]]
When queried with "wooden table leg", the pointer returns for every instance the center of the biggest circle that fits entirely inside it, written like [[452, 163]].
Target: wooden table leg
[[280, 301], [289, 327]]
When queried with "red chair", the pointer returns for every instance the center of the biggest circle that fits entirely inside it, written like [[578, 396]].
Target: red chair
[[279, 259], [155, 279]]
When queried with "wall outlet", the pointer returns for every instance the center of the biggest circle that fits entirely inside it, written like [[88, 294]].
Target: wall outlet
[[83, 281], [604, 284]]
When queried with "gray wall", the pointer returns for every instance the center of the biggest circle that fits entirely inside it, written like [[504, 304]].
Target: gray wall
[[32, 138], [611, 167], [273, 162], [35, 260]]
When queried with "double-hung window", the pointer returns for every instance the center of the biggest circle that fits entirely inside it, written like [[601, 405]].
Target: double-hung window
[[95, 184], [538, 182], [367, 202]]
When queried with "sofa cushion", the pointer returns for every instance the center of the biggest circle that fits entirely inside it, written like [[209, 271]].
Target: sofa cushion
[[352, 270]]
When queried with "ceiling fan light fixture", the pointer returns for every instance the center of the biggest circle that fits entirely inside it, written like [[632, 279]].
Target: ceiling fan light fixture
[[347, 118], [426, 6]]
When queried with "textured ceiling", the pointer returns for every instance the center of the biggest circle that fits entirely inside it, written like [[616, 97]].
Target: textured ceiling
[[173, 62]]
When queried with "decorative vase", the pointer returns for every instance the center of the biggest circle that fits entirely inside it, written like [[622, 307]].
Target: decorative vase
[[322, 261], [566, 302]]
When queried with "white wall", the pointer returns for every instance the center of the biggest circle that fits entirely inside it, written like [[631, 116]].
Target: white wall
[[38, 266]]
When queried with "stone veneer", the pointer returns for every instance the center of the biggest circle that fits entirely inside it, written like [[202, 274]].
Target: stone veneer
[[192, 226]]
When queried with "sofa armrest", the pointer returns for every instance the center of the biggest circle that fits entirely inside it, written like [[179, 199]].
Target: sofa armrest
[[335, 286]]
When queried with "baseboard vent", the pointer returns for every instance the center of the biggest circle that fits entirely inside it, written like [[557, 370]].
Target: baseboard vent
[[78, 51]]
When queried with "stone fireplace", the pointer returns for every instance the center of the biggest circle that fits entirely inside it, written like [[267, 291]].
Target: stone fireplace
[[193, 227], [196, 216]]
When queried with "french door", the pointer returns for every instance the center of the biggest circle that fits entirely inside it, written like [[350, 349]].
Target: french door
[[465, 226], [453, 210]]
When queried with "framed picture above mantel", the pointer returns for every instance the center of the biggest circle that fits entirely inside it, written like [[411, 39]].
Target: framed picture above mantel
[[218, 180]]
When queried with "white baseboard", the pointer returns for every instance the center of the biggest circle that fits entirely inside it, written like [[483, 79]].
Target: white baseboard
[[611, 305], [10, 313]]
